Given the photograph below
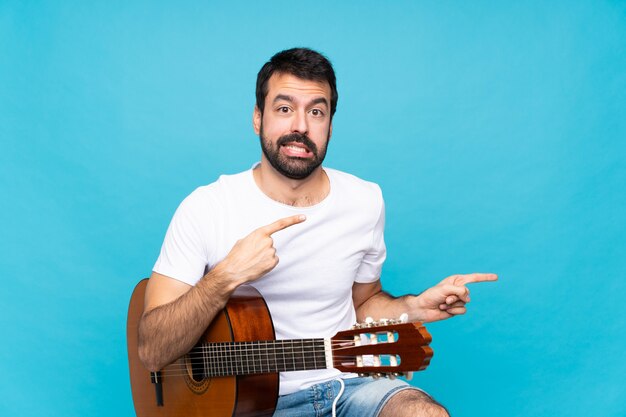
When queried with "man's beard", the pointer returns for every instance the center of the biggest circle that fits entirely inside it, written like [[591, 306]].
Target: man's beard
[[291, 166]]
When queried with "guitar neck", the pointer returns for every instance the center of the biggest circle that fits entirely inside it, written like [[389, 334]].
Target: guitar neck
[[248, 358]]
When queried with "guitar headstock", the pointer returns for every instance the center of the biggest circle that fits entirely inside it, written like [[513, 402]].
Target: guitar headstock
[[382, 348]]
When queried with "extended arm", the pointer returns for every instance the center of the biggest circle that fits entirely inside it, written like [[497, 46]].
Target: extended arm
[[444, 300]]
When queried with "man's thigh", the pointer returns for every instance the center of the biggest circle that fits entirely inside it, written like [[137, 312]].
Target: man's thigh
[[361, 397], [367, 396]]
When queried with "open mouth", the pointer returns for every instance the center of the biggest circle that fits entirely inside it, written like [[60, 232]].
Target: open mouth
[[296, 150]]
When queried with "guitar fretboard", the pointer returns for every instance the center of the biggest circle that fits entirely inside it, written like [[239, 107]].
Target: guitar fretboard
[[247, 358]]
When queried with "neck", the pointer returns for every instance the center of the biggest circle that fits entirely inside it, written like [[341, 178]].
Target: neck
[[298, 193]]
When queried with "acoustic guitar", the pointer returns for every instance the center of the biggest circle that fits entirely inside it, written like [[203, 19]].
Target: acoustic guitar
[[233, 370]]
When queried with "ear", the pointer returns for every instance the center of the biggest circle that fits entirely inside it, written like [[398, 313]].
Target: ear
[[256, 120]]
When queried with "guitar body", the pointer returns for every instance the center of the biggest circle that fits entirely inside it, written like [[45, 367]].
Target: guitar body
[[245, 318]]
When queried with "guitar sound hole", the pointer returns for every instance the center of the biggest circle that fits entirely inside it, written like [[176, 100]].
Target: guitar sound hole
[[195, 365]]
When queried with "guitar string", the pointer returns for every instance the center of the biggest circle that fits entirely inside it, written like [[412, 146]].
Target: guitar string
[[199, 353], [180, 371], [370, 368], [236, 357], [231, 353], [271, 344], [253, 348], [232, 366]]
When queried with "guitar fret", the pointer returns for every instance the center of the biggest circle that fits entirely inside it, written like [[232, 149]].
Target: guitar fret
[[298, 361], [309, 362], [212, 360], [244, 350], [231, 361], [235, 362], [215, 360], [250, 356], [301, 355], [206, 360], [259, 360], [240, 355], [271, 356], [321, 354], [220, 354], [222, 360], [283, 355], [266, 357]]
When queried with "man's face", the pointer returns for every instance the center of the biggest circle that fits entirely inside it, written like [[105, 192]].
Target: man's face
[[295, 126]]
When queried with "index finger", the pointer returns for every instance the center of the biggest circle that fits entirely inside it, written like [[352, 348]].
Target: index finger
[[476, 277], [282, 224]]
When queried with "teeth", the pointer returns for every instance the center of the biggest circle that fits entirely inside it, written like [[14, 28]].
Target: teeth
[[296, 148]]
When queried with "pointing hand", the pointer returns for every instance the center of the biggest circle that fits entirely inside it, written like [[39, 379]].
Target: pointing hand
[[448, 298], [255, 255]]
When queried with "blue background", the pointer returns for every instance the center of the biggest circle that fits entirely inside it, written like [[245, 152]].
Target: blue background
[[496, 130]]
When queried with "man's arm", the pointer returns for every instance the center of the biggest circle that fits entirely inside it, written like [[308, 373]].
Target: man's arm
[[176, 314], [444, 300]]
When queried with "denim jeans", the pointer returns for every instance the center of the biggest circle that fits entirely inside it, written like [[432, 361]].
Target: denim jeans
[[362, 397]]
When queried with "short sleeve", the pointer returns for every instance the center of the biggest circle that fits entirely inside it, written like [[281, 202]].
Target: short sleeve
[[184, 253], [372, 264]]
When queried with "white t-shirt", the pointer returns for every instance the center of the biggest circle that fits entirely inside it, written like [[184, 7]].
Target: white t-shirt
[[309, 292]]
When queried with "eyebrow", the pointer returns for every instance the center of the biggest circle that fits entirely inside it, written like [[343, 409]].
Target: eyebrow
[[290, 99]]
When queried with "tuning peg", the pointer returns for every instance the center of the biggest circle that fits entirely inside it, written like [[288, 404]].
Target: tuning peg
[[404, 318]]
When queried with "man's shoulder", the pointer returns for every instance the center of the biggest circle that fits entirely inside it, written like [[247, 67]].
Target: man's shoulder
[[213, 193], [223, 183], [350, 182]]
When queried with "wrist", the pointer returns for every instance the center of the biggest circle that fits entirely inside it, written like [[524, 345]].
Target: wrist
[[417, 308], [223, 279]]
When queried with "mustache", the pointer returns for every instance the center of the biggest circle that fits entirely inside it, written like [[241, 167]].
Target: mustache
[[297, 138]]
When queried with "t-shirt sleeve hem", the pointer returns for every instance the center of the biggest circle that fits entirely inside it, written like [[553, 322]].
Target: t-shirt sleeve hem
[[186, 277], [367, 278]]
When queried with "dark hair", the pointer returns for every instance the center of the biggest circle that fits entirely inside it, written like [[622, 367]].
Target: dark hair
[[303, 63]]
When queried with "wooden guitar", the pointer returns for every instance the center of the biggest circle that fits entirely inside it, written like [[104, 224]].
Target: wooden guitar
[[233, 370]]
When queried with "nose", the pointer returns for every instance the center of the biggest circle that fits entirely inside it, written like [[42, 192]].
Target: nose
[[299, 123]]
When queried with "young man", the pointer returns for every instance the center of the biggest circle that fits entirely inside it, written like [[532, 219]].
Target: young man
[[325, 226]]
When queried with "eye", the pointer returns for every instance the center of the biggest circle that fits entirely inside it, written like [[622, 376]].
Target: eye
[[317, 112], [283, 109]]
